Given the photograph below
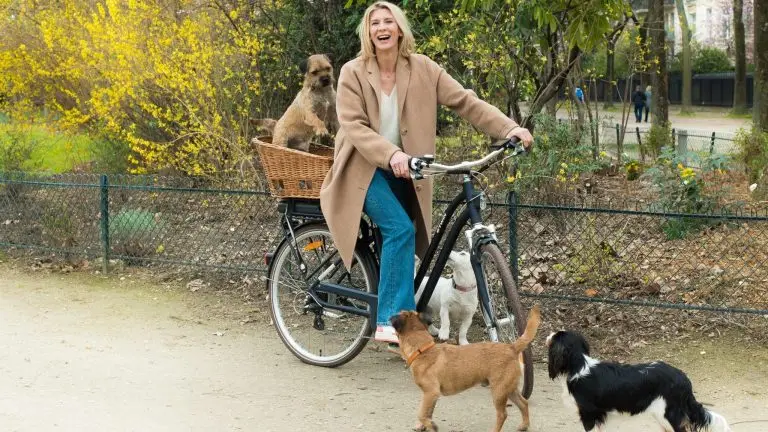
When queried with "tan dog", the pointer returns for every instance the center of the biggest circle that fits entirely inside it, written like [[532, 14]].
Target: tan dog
[[313, 111], [265, 125], [449, 369]]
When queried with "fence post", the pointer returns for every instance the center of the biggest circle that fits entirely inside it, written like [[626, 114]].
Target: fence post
[[104, 183], [674, 135], [640, 143], [513, 255], [712, 144]]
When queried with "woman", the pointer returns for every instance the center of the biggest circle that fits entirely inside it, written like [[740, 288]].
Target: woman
[[647, 102], [387, 107]]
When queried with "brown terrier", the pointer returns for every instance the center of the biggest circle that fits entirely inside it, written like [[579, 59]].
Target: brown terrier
[[449, 369], [313, 111]]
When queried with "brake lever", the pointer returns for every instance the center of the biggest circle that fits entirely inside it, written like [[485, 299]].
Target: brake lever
[[513, 143]]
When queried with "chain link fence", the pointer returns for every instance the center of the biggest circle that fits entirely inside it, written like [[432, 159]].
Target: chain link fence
[[621, 256], [141, 220], [557, 250]]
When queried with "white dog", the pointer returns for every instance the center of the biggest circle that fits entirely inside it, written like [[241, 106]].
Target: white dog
[[454, 298]]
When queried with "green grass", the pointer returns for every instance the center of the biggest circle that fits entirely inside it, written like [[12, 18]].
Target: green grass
[[744, 115], [50, 150]]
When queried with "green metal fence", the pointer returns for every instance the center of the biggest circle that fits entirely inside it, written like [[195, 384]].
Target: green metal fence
[[564, 251], [703, 143], [141, 220], [617, 255]]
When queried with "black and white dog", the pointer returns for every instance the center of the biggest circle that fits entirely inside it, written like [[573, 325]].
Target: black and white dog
[[600, 388]]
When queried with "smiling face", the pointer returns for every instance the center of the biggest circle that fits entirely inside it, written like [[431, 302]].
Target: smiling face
[[383, 30]]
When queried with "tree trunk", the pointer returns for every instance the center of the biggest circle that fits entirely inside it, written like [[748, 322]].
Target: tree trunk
[[687, 69], [740, 80], [610, 57], [658, 57], [761, 65], [551, 86]]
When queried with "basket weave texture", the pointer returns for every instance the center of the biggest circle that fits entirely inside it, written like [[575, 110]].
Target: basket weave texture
[[294, 173]]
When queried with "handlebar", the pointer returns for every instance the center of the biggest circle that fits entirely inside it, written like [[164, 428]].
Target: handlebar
[[416, 164]]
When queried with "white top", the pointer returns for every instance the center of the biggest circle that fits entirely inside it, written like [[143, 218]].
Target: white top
[[390, 123]]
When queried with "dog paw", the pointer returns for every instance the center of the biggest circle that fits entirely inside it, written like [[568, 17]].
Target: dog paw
[[443, 335], [321, 131], [433, 330], [419, 427], [522, 427], [463, 341]]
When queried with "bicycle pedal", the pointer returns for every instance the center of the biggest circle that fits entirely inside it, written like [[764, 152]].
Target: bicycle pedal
[[319, 323]]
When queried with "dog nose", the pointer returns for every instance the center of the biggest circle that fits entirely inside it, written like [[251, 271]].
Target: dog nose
[[325, 80]]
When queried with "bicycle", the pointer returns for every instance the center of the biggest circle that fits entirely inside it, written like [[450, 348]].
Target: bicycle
[[306, 277]]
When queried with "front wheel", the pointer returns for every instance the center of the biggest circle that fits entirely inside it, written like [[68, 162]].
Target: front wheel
[[506, 310], [318, 336]]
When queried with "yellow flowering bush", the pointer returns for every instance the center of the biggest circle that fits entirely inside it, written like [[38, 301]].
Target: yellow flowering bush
[[176, 84]]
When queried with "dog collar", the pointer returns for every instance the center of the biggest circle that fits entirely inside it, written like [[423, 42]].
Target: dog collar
[[461, 288], [419, 352]]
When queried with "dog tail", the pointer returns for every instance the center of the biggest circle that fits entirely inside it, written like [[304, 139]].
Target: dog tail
[[704, 420], [534, 318]]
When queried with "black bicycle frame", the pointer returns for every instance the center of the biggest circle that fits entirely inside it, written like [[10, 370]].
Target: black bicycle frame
[[467, 196]]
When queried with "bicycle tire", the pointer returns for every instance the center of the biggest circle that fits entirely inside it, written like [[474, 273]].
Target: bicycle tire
[[287, 297], [512, 305]]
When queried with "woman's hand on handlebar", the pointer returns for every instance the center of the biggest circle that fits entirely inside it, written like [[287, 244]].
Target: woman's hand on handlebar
[[399, 165], [523, 134]]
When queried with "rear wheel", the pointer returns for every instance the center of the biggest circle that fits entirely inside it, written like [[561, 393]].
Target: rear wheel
[[506, 310], [321, 337]]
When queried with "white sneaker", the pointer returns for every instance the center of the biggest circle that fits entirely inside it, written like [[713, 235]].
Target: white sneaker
[[385, 333]]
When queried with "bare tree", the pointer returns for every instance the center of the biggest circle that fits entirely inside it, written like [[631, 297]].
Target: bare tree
[[686, 41], [658, 63], [761, 65], [740, 79]]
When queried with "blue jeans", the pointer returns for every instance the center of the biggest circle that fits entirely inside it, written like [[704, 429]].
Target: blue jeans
[[385, 205], [639, 112]]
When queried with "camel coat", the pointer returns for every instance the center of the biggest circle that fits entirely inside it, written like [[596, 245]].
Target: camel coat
[[421, 85]]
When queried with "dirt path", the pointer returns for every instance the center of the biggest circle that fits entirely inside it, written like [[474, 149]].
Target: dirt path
[[83, 353]]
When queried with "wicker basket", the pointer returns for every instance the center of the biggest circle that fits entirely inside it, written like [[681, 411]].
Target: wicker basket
[[294, 173]]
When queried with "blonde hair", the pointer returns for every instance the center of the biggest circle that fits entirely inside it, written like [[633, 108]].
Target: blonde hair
[[407, 41]]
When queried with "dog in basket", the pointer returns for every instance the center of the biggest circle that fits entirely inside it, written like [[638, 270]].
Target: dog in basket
[[313, 111], [454, 298]]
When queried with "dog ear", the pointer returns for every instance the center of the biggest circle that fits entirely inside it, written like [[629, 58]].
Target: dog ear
[[557, 358], [303, 66], [584, 345], [397, 322], [329, 56], [425, 318]]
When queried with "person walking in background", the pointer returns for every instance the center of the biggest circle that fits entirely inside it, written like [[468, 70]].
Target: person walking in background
[[579, 95], [638, 99], [647, 102]]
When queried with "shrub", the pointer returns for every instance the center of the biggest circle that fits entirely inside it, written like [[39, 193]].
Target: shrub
[[753, 152], [658, 138], [16, 148], [710, 60], [682, 189], [561, 156], [633, 170], [133, 233]]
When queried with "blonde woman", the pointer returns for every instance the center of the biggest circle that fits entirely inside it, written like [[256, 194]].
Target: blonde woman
[[647, 102], [387, 102]]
